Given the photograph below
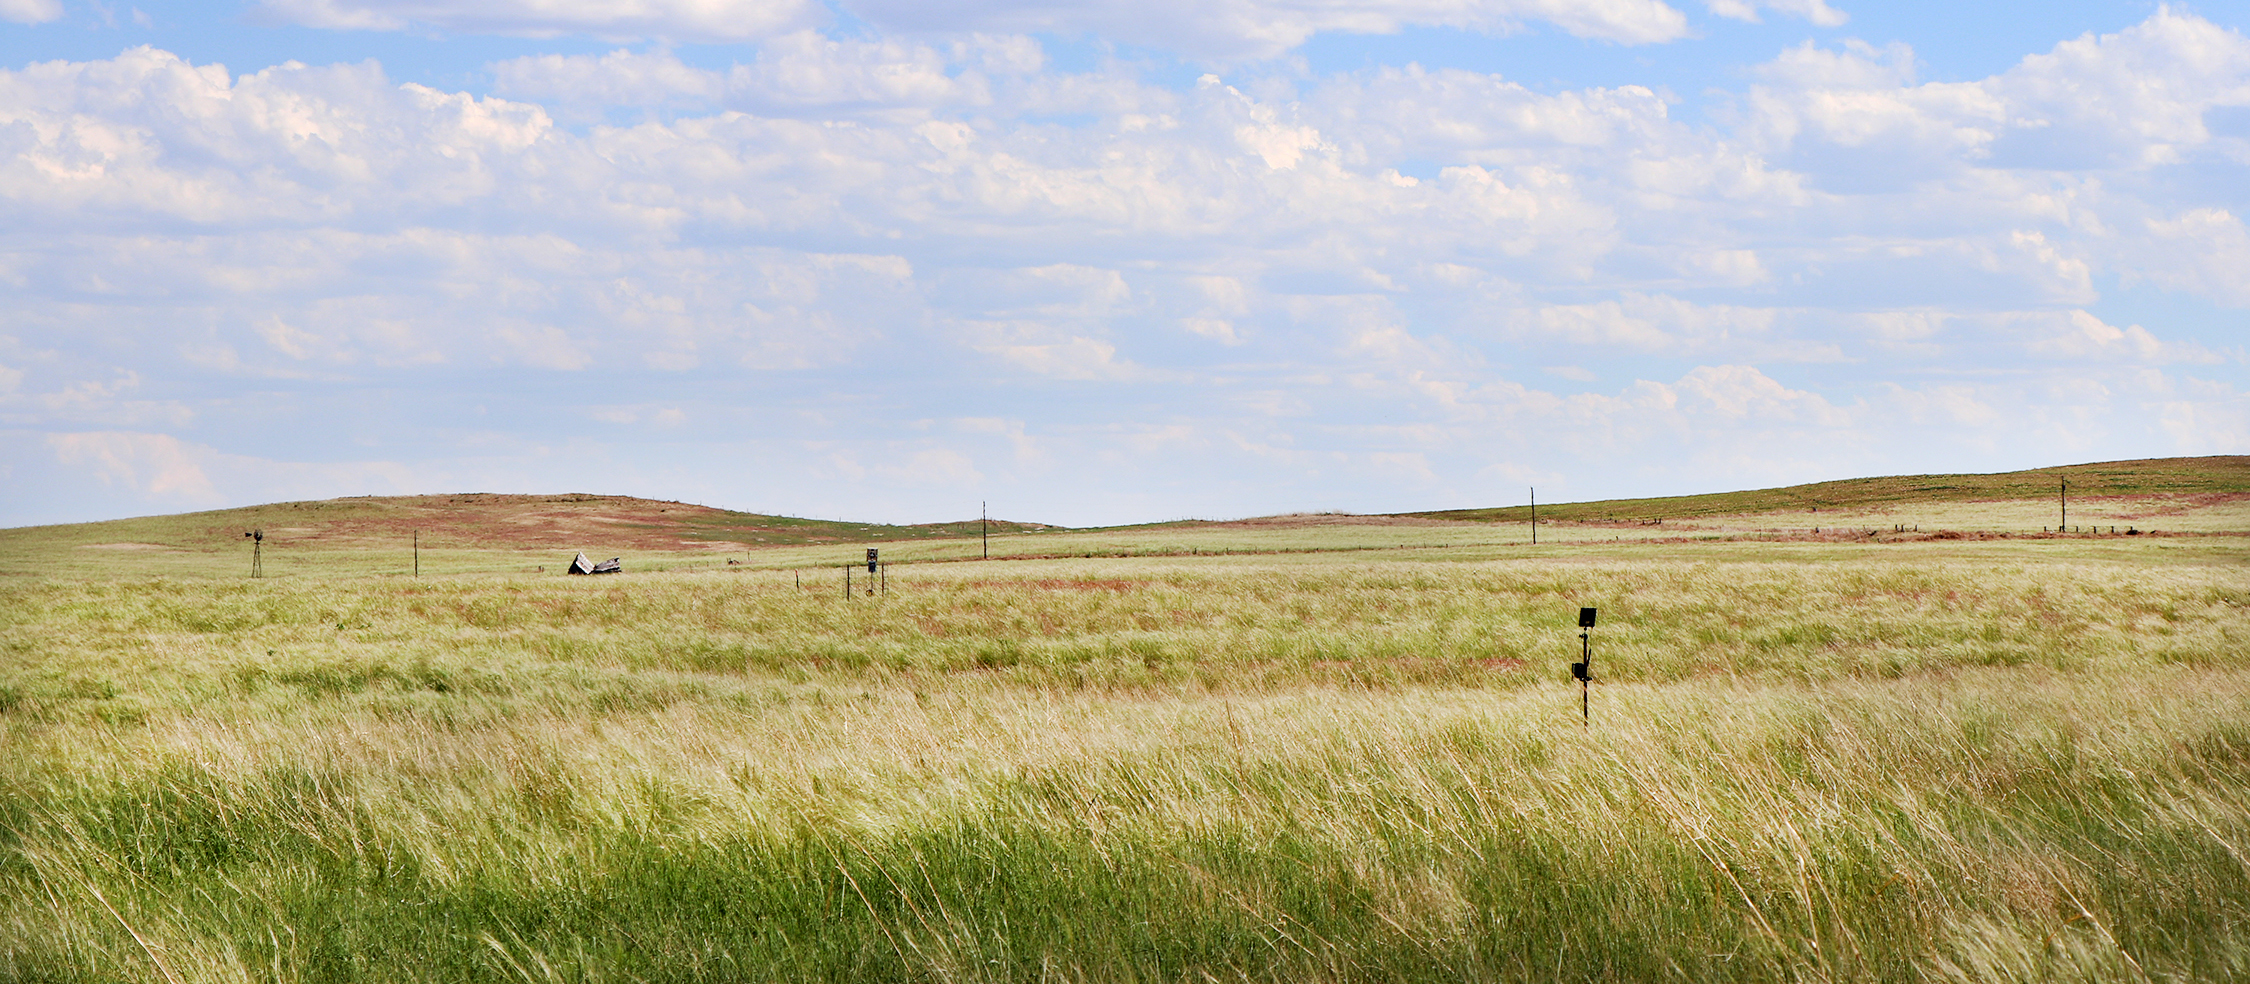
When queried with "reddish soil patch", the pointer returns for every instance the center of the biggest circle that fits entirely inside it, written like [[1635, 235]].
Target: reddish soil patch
[[482, 520]]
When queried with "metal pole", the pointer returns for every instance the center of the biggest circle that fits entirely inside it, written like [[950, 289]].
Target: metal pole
[[984, 519], [847, 582], [884, 577], [417, 553], [1586, 683], [1535, 514], [2065, 503]]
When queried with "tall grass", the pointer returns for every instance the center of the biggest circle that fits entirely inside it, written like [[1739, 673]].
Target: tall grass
[[1135, 770]]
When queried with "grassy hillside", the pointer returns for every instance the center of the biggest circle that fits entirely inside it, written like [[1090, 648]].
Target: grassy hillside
[[2166, 478], [451, 526], [487, 534]]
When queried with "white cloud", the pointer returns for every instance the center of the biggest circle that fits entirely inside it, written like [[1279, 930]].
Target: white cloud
[[686, 20], [1661, 324], [1816, 11], [1073, 357], [2082, 336], [798, 73], [30, 11], [838, 233], [620, 78], [164, 472], [159, 466], [1739, 392], [1216, 329], [1224, 29], [2217, 422], [1467, 117], [1264, 28], [545, 346], [940, 467], [2136, 98], [2203, 250], [146, 136]]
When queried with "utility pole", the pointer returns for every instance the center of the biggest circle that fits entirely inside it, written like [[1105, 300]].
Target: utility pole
[[1535, 515], [984, 520], [417, 553], [2065, 504]]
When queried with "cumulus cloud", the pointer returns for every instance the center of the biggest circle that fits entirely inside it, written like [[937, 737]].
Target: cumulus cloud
[[1743, 392], [1659, 324], [2080, 335], [694, 20], [159, 466], [2211, 418], [795, 74], [30, 11], [1816, 11], [837, 232], [1226, 29], [2203, 250], [2134, 98], [148, 137]]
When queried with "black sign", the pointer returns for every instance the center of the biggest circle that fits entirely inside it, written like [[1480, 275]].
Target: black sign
[[1585, 615], [871, 563]]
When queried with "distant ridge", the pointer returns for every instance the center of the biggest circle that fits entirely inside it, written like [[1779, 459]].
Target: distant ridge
[[483, 520], [2226, 475], [491, 520]]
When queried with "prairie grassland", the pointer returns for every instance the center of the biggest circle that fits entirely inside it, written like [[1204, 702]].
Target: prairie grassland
[[2171, 514], [80, 552], [2010, 761], [2164, 479]]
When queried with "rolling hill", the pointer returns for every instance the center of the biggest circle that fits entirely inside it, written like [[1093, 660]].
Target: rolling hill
[[561, 523], [2213, 479], [479, 520]]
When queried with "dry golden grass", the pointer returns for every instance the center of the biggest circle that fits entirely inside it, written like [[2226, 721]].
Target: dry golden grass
[[2011, 760]]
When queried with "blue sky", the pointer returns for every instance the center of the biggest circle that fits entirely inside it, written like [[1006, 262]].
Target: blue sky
[[1103, 263]]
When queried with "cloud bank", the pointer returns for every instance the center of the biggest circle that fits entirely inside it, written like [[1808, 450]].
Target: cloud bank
[[877, 275], [1230, 29]]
